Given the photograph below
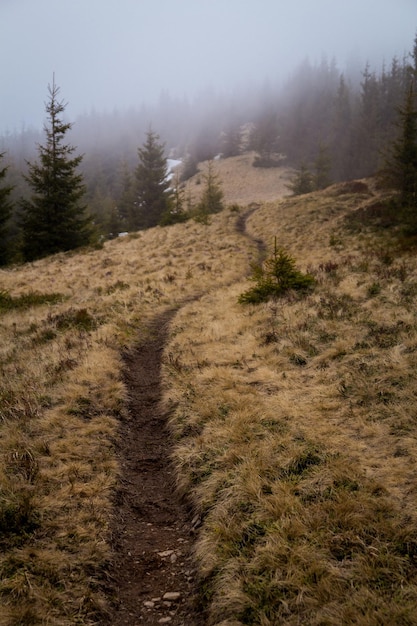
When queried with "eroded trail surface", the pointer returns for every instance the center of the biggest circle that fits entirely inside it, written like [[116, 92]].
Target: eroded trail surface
[[154, 576]]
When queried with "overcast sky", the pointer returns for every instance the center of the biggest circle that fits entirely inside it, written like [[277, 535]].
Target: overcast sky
[[120, 53]]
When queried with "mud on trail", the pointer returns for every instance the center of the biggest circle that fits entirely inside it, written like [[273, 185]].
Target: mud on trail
[[154, 578]]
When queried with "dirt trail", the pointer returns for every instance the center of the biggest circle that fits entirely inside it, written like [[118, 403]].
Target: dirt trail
[[241, 228], [152, 531]]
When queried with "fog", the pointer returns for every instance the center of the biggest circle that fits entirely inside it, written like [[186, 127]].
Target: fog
[[109, 54]]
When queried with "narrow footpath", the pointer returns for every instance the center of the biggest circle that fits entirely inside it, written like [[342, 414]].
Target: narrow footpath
[[154, 575], [154, 578]]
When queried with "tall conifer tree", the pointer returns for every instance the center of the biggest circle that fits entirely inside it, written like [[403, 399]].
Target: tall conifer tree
[[152, 193], [54, 219], [368, 125], [322, 168], [401, 168]]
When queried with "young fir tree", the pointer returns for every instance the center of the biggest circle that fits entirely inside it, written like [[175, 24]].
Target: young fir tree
[[231, 141], [125, 197], [5, 214], [54, 219], [212, 198], [322, 167], [175, 212], [190, 167], [302, 182], [152, 193], [264, 140], [274, 277]]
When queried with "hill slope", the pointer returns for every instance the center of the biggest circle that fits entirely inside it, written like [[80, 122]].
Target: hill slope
[[241, 182], [292, 421], [295, 426]]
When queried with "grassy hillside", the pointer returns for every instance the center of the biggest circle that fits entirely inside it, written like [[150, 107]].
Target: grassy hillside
[[241, 183], [63, 324], [293, 421]]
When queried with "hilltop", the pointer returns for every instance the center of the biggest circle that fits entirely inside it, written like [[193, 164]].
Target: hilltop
[[241, 182], [290, 424]]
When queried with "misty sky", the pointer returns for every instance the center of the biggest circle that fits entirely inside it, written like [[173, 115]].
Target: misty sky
[[120, 53]]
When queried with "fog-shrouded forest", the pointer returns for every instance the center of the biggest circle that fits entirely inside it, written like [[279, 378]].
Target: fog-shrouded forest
[[347, 117]]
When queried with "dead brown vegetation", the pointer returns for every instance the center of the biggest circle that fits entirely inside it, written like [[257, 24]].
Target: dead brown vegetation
[[62, 395], [293, 420], [241, 182], [294, 423]]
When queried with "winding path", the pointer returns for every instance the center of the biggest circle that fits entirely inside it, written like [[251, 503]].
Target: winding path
[[154, 576]]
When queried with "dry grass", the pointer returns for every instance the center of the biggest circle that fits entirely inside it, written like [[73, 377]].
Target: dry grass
[[62, 395], [294, 421], [295, 428], [242, 183]]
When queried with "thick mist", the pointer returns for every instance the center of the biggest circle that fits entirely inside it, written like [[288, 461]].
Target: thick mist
[[110, 55]]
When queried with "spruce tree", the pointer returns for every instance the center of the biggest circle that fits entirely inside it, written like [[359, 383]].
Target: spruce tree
[[366, 133], [413, 66], [5, 214], [341, 131], [190, 167], [401, 168], [54, 218], [322, 167], [125, 197], [231, 141], [152, 193], [302, 182], [175, 213], [264, 140], [212, 198]]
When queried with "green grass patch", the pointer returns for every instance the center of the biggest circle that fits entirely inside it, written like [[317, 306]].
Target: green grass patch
[[74, 318], [27, 300]]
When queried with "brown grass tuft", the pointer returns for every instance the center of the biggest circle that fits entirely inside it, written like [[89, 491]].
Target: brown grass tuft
[[293, 421], [62, 395], [294, 429]]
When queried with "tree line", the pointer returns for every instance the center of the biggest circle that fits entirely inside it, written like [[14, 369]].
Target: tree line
[[328, 125], [54, 217]]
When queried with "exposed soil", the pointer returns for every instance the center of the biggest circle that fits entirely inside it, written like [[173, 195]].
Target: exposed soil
[[241, 228], [152, 531]]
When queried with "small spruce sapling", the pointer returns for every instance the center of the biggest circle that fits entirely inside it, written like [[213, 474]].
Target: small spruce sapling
[[303, 181], [175, 212], [274, 277], [212, 197]]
